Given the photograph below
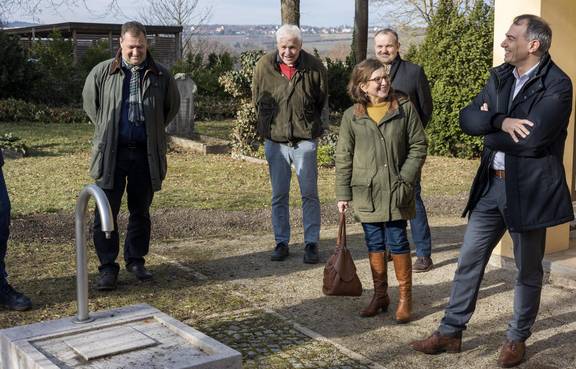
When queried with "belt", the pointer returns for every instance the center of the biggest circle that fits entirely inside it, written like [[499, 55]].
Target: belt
[[133, 145], [498, 173]]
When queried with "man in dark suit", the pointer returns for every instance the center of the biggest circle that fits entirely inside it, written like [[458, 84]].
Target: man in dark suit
[[410, 79], [9, 298], [523, 114]]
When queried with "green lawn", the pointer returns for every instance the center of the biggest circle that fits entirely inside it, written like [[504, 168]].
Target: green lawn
[[215, 128], [51, 177]]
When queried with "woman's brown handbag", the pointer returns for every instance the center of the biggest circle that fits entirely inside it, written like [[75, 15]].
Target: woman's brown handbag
[[340, 278]]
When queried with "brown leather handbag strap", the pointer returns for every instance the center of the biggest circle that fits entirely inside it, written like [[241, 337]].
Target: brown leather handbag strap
[[341, 240]]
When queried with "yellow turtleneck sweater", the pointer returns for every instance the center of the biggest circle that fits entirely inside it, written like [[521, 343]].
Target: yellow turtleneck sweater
[[377, 111]]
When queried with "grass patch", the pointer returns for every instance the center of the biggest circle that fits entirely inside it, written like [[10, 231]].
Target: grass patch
[[47, 274], [215, 128], [51, 178]]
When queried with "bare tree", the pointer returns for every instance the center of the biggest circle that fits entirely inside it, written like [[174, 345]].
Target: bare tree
[[185, 13], [290, 10], [175, 12], [360, 36], [33, 8], [414, 12]]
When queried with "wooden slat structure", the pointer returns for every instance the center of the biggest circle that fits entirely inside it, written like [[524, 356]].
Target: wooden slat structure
[[164, 41]]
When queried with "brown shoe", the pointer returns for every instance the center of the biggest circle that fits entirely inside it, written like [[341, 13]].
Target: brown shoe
[[422, 264], [380, 300], [437, 344], [511, 354], [403, 269]]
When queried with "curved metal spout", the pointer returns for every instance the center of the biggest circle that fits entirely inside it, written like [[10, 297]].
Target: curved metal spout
[[107, 222]]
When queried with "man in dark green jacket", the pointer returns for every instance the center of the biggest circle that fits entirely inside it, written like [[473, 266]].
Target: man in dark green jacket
[[290, 94], [130, 99]]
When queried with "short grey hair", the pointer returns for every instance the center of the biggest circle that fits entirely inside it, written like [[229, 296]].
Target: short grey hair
[[289, 31], [536, 29]]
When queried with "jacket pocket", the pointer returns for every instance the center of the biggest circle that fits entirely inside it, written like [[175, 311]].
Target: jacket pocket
[[362, 193], [403, 193], [97, 160], [266, 113]]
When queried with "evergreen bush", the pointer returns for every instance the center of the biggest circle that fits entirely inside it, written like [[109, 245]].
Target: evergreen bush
[[456, 55], [245, 140], [16, 74], [206, 71], [60, 82]]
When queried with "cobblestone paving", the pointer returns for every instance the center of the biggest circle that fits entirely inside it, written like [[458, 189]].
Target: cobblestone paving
[[268, 342]]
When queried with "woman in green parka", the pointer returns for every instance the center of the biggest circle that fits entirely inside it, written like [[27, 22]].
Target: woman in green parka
[[381, 149]]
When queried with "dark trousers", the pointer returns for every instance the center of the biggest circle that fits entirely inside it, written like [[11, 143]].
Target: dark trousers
[[4, 226], [485, 228], [133, 175], [419, 225]]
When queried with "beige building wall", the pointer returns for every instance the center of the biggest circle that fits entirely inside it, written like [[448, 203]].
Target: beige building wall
[[561, 14]]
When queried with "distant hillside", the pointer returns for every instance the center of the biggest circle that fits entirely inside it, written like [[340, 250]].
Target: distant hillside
[[18, 24]]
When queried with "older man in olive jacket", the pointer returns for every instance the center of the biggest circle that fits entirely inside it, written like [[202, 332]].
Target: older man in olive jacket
[[290, 94], [520, 186], [130, 99]]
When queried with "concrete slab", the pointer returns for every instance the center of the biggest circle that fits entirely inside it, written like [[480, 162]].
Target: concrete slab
[[137, 336]]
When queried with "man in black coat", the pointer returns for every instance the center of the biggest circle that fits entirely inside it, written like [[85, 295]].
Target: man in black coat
[[523, 114], [9, 298], [410, 79]]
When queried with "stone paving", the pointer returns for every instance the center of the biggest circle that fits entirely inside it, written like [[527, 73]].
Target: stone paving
[[267, 341]]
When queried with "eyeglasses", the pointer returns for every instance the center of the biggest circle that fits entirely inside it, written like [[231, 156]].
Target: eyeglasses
[[378, 79]]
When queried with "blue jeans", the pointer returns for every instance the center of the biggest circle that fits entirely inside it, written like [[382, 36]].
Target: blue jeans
[[4, 226], [303, 156], [419, 226], [485, 228], [391, 235]]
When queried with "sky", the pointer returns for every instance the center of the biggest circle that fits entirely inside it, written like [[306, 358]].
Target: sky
[[312, 12]]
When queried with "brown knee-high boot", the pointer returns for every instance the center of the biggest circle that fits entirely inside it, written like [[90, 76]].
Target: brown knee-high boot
[[380, 300], [403, 269]]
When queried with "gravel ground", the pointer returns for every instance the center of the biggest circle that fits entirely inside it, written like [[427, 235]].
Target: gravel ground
[[293, 290]]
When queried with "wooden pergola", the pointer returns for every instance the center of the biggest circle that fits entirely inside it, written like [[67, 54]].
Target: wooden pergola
[[165, 41]]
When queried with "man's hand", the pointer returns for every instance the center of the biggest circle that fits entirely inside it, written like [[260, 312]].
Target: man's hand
[[516, 128], [342, 206]]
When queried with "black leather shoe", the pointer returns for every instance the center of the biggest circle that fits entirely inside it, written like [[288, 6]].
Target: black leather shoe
[[280, 253], [311, 254], [13, 300], [107, 280], [140, 271]]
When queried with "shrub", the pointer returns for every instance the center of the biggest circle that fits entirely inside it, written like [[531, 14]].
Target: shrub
[[237, 83], [12, 144], [16, 73], [338, 75], [98, 52], [12, 110], [205, 72], [60, 82], [211, 108], [456, 56]]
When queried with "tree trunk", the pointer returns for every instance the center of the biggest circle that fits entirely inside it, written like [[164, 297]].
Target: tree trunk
[[360, 36], [290, 12]]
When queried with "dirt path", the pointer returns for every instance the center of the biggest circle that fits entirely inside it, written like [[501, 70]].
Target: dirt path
[[293, 290]]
